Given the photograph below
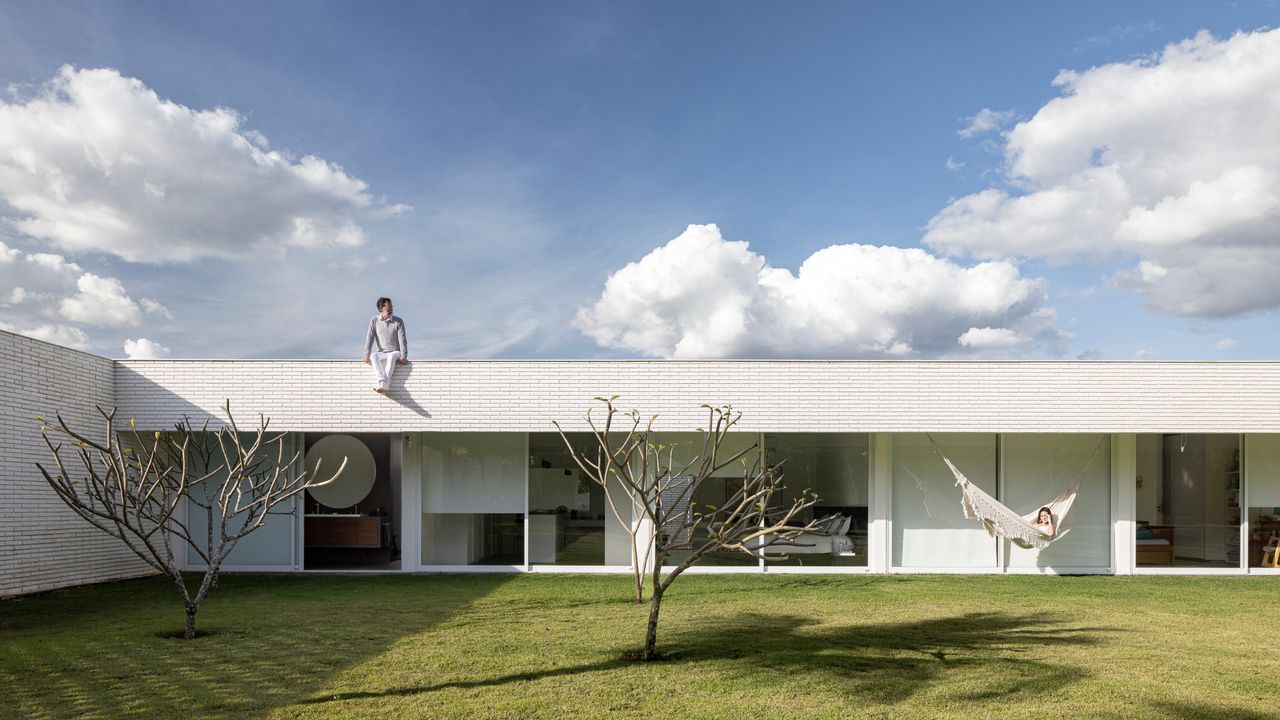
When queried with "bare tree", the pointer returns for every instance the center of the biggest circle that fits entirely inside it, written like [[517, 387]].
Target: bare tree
[[131, 486], [652, 494]]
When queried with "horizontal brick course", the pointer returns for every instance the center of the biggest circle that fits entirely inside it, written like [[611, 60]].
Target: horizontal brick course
[[43, 545], [819, 396]]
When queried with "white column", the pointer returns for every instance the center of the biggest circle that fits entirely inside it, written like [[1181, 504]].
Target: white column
[[411, 502], [1124, 479], [880, 532]]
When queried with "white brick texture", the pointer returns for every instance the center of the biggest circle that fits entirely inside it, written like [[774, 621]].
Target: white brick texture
[[43, 545], [781, 396]]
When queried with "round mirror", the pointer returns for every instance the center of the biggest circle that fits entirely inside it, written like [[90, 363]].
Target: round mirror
[[356, 480]]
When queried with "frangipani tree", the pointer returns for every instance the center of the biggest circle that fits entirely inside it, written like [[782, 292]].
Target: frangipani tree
[[132, 486], [651, 490]]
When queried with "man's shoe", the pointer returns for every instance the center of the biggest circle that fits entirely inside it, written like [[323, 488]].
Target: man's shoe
[[378, 389]]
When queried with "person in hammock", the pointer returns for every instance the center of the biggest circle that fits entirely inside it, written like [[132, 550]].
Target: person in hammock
[[1044, 521]]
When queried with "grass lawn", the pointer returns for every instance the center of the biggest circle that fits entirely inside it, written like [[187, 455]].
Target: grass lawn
[[521, 646]]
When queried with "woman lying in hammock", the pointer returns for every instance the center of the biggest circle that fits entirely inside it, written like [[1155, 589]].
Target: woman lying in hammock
[[1044, 521]]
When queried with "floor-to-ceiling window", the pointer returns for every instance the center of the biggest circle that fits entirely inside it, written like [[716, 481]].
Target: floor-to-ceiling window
[[1188, 501], [1035, 469], [929, 527], [571, 521], [1263, 486], [272, 544], [683, 449], [473, 498], [835, 466]]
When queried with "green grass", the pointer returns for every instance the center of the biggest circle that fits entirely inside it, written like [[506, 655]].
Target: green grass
[[738, 646]]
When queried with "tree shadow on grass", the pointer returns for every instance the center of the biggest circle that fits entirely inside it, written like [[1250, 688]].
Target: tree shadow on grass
[[100, 651], [1203, 711], [880, 663]]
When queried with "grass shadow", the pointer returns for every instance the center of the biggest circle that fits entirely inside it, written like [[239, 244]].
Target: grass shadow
[[887, 663], [880, 663], [282, 636]]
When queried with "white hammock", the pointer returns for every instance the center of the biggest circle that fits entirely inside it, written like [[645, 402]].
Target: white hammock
[[1000, 521]]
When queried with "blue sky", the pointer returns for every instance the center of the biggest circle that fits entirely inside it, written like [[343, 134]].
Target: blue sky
[[516, 155]]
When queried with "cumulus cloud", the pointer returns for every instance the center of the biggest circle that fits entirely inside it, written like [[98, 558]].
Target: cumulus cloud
[[144, 349], [46, 291], [1225, 344], [985, 121], [96, 161], [65, 335], [100, 301], [702, 296], [1169, 163]]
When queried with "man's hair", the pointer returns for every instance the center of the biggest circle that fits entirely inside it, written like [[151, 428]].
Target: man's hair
[[383, 301]]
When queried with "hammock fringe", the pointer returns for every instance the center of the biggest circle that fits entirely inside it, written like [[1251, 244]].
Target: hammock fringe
[[1002, 522]]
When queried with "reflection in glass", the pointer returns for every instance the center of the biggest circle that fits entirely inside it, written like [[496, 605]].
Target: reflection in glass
[[1038, 466], [929, 526], [570, 522], [836, 466], [473, 487], [715, 490]]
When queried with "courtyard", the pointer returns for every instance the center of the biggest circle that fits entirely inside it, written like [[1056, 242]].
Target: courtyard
[[515, 646]]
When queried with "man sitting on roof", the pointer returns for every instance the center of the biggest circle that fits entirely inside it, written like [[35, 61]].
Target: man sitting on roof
[[386, 331]]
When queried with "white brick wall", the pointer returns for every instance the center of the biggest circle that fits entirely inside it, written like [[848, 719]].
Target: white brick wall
[[831, 396], [43, 545]]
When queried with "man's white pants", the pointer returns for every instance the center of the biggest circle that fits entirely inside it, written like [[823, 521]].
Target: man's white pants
[[384, 365]]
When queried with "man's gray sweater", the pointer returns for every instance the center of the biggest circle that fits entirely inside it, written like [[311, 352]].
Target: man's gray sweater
[[387, 335]]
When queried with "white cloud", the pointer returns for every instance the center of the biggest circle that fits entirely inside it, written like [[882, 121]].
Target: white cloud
[[985, 338], [1171, 162], [46, 291], [144, 349], [154, 308], [96, 161], [985, 121], [100, 301], [1225, 344], [954, 165], [702, 296], [66, 335]]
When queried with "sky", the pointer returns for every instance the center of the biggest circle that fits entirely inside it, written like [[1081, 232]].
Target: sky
[[1002, 180]]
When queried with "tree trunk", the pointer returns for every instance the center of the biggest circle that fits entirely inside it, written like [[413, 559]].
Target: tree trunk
[[190, 633], [651, 633]]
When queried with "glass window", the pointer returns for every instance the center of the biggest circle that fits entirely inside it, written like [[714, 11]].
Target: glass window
[[1035, 469], [271, 544], [836, 466], [1263, 468], [473, 498], [570, 520], [1191, 518], [929, 527], [715, 490]]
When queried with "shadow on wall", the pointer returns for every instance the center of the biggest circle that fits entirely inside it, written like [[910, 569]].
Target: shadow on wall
[[400, 390], [156, 406], [271, 641]]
